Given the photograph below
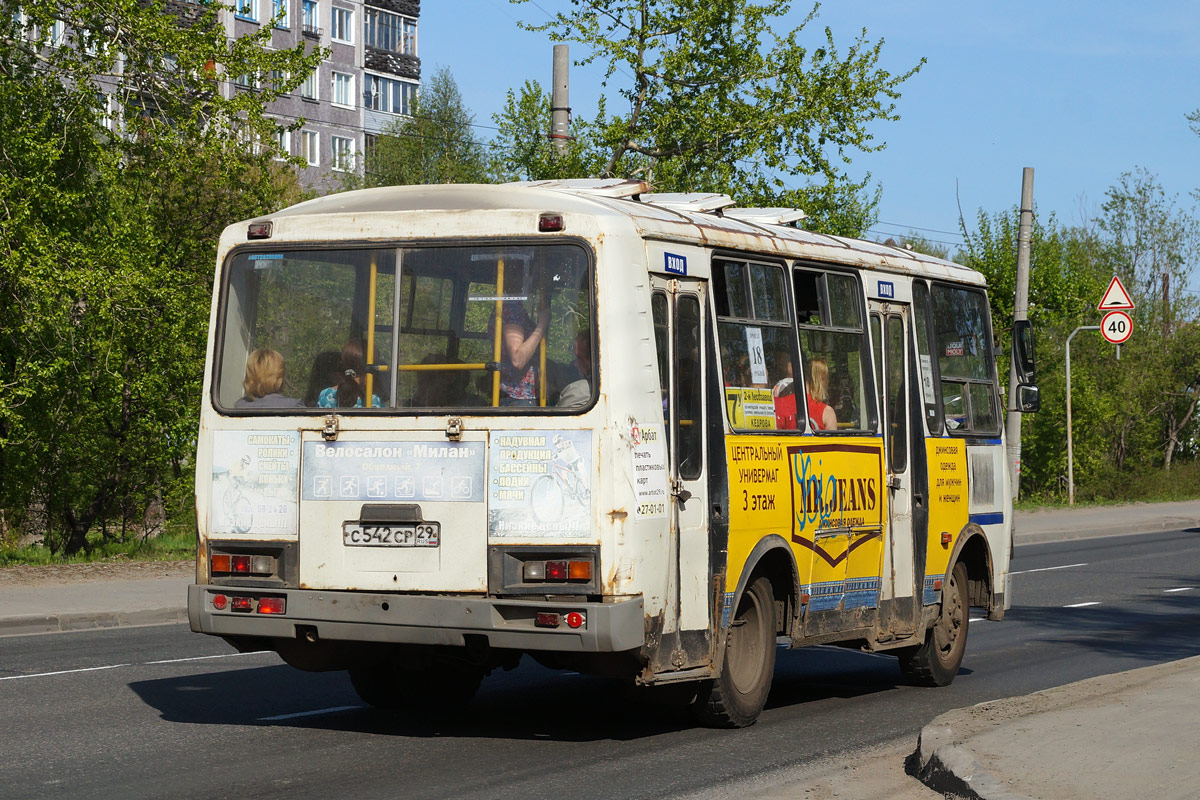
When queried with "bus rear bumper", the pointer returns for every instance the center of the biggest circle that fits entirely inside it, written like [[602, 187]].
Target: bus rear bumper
[[614, 625]]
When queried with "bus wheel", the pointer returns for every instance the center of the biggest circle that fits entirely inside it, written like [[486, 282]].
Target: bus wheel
[[936, 662], [442, 688], [735, 699]]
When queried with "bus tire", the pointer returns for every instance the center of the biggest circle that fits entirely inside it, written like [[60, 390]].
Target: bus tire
[[443, 688], [936, 662], [736, 698]]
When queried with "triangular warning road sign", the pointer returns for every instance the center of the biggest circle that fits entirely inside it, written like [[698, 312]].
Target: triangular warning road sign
[[1116, 297]]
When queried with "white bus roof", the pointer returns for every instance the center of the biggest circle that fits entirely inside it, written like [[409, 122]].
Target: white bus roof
[[364, 214]]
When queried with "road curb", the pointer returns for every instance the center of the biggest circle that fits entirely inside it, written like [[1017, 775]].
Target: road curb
[[1051, 535], [58, 623], [944, 767]]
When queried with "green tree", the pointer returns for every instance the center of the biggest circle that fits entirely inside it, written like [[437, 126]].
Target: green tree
[[1130, 417], [437, 144], [116, 185], [522, 150], [719, 101]]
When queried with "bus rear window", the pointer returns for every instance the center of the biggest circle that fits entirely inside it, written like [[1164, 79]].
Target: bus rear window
[[483, 328]]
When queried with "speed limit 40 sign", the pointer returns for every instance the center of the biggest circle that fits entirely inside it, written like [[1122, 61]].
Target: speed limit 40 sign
[[1116, 327]]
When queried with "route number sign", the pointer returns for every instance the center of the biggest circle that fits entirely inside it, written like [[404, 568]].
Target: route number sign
[[1116, 327]]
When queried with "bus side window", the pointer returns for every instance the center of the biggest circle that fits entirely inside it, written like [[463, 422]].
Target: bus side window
[[688, 388], [925, 361], [834, 349], [962, 342], [658, 311], [758, 351]]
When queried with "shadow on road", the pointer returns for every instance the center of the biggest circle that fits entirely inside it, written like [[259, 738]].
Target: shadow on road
[[1164, 632], [529, 703]]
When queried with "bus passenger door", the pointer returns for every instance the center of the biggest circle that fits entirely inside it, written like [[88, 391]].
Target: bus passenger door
[[906, 555], [678, 308]]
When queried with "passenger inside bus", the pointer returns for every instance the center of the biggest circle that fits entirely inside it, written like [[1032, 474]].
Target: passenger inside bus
[[520, 338], [348, 392], [784, 393], [816, 385], [576, 377], [264, 382], [324, 373]]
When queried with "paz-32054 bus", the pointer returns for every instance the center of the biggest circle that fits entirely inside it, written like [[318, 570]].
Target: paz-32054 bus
[[623, 432]]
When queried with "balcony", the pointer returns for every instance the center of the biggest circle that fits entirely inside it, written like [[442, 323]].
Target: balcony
[[311, 31]]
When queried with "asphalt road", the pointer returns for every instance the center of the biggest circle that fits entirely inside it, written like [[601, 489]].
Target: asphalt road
[[161, 712]]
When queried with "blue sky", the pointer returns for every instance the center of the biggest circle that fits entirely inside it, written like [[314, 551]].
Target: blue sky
[[1080, 91]]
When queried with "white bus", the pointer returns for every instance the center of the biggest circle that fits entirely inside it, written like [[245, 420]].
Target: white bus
[[645, 435]]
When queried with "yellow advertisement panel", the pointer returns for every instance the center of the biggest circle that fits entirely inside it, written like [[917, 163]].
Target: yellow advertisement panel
[[825, 498], [948, 512], [750, 408]]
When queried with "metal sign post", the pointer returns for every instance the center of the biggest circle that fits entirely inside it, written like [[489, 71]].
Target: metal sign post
[[1070, 441]]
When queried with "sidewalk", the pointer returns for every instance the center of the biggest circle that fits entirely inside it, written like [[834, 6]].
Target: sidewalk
[[1115, 736]]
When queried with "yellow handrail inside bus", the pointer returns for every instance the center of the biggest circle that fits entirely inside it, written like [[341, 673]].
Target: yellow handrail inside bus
[[542, 372], [499, 330], [370, 382]]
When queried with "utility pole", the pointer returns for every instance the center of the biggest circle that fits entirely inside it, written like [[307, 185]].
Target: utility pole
[[1020, 311], [1070, 437], [560, 109]]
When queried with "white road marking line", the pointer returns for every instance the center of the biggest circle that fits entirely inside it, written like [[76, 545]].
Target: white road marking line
[[203, 658], [333, 710], [1046, 569], [61, 672], [117, 666], [1180, 589], [1083, 605]]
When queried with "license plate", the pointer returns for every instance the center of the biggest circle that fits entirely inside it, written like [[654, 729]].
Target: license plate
[[420, 534]]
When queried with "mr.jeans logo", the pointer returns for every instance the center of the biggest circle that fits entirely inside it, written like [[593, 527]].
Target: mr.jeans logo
[[823, 498]]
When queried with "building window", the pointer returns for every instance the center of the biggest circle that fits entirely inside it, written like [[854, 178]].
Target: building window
[[244, 9], [341, 31], [279, 12], [283, 141], [311, 142], [278, 80], [387, 31], [308, 89], [309, 17], [410, 37], [57, 33], [386, 94], [343, 153], [343, 90], [247, 80]]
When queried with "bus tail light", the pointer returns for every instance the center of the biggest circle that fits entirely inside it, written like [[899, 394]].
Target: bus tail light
[[556, 570], [221, 564], [240, 565], [220, 601], [547, 619], [551, 223], [241, 604], [271, 605], [579, 570], [575, 620]]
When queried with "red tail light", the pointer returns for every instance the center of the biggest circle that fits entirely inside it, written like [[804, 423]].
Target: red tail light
[[546, 619], [575, 620], [240, 565], [556, 570], [241, 604], [271, 605]]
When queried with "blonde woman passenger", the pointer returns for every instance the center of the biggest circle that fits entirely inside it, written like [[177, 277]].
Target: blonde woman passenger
[[816, 385], [263, 385]]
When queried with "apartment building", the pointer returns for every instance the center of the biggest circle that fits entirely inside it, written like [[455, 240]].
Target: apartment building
[[368, 81]]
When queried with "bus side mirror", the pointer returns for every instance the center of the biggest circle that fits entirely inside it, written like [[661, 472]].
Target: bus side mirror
[[1022, 338], [1029, 398]]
